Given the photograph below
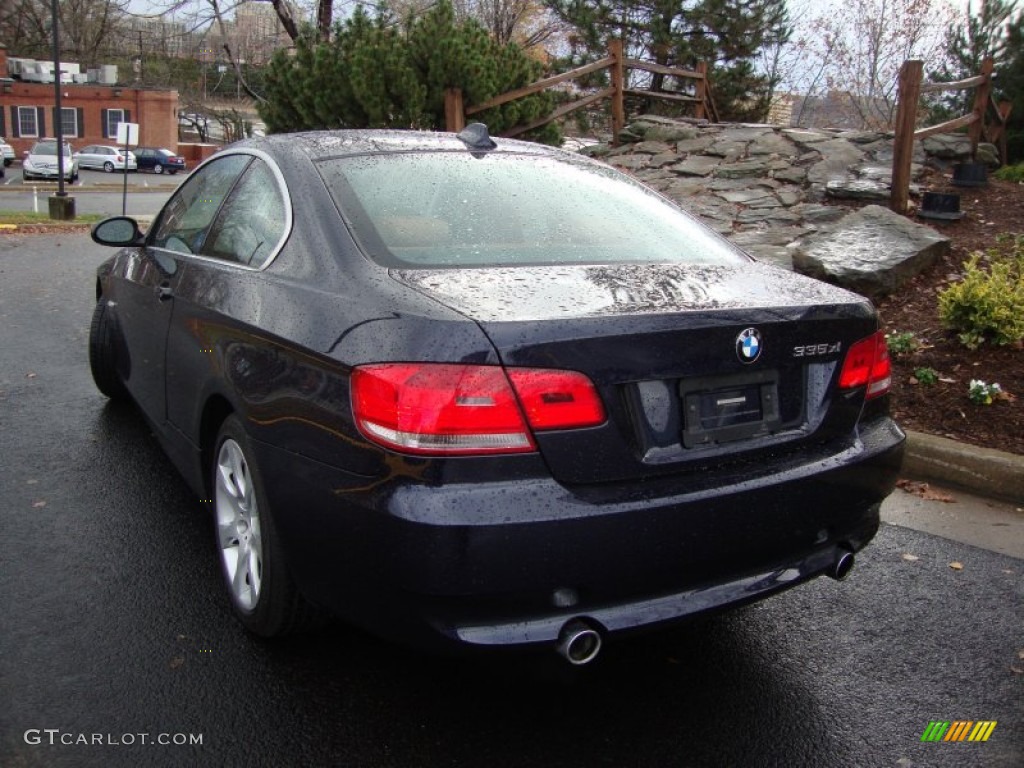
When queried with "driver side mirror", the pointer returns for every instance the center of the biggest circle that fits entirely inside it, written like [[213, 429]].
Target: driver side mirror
[[118, 231]]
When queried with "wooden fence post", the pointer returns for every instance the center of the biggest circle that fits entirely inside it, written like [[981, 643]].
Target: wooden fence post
[[454, 114], [618, 77], [700, 112], [982, 94], [1003, 110], [903, 146]]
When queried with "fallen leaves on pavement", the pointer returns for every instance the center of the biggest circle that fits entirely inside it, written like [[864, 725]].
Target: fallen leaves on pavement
[[925, 491], [956, 565]]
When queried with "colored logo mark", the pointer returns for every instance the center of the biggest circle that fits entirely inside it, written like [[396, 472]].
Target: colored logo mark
[[748, 345], [958, 730]]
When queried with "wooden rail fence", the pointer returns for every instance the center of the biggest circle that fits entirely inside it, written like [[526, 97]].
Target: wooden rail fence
[[704, 105], [910, 90]]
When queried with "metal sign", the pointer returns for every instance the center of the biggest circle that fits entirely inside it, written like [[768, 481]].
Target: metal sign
[[128, 134]]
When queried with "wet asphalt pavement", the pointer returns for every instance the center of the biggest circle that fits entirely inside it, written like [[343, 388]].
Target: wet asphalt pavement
[[113, 625]]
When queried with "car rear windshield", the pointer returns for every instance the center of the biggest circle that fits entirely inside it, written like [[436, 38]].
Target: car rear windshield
[[455, 209]]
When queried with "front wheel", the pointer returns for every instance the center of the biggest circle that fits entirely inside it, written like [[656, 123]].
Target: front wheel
[[103, 353], [263, 595], [158, 169]]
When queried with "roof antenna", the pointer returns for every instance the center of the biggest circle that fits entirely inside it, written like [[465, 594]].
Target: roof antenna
[[475, 136]]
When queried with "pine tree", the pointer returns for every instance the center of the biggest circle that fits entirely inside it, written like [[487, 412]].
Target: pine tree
[[1010, 85], [377, 72], [726, 34], [983, 36]]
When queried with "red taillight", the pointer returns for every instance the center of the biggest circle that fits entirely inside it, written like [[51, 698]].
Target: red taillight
[[867, 363], [557, 399], [430, 408]]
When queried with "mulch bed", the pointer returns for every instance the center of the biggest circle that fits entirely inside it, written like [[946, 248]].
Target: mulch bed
[[944, 408]]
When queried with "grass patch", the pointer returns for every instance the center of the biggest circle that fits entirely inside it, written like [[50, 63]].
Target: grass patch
[[27, 217]]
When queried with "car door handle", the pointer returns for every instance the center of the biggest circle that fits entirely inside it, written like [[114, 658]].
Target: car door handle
[[164, 292]]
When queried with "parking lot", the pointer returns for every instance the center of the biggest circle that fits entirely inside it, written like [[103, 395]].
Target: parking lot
[[95, 192], [93, 179]]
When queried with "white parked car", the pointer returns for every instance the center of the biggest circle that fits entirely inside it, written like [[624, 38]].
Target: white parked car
[[41, 161], [106, 158], [7, 151]]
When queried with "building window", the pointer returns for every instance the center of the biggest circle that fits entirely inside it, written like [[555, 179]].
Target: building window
[[114, 118], [27, 125], [69, 121]]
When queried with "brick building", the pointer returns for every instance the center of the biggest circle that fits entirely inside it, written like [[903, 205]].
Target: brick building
[[90, 112]]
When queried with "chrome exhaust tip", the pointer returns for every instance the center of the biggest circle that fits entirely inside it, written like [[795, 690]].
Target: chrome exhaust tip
[[578, 642], [842, 566]]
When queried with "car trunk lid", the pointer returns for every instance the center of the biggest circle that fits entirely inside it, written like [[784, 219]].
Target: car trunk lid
[[697, 366]]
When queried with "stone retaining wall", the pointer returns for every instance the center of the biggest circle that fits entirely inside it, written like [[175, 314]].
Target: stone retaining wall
[[765, 187]]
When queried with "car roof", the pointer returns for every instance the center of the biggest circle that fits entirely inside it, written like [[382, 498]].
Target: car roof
[[320, 145]]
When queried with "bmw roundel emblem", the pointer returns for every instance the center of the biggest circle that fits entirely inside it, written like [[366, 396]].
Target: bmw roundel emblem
[[748, 345]]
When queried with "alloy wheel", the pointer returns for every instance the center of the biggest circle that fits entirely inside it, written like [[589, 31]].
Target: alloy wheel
[[238, 525]]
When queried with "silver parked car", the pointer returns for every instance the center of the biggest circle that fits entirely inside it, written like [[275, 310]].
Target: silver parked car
[[7, 151], [106, 157], [41, 161]]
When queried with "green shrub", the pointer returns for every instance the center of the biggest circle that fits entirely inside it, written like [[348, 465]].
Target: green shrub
[[375, 72], [900, 343], [988, 304], [926, 376], [1011, 173]]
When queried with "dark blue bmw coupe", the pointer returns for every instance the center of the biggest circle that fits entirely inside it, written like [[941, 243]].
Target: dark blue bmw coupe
[[465, 392]]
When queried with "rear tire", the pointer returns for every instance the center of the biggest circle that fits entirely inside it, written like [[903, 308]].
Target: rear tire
[[103, 354], [158, 169], [108, 167], [263, 595]]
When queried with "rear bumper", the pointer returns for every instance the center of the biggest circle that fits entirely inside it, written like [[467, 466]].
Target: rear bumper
[[509, 563]]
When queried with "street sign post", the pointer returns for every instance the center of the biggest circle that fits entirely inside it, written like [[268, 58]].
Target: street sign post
[[127, 133]]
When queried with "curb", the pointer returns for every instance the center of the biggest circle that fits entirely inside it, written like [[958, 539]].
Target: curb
[[982, 471]]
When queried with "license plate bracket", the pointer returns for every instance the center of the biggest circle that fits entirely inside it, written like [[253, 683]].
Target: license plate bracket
[[725, 409]]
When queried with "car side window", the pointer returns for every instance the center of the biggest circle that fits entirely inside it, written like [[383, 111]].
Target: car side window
[[252, 221], [185, 221]]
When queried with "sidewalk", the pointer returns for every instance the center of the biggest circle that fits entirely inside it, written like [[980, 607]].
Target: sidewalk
[[973, 495]]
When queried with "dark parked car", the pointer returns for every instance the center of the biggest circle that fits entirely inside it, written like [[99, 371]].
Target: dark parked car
[[159, 160], [467, 393]]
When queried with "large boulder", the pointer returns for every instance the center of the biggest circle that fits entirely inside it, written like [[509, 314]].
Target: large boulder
[[838, 156], [948, 146], [858, 189], [872, 251], [989, 155]]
